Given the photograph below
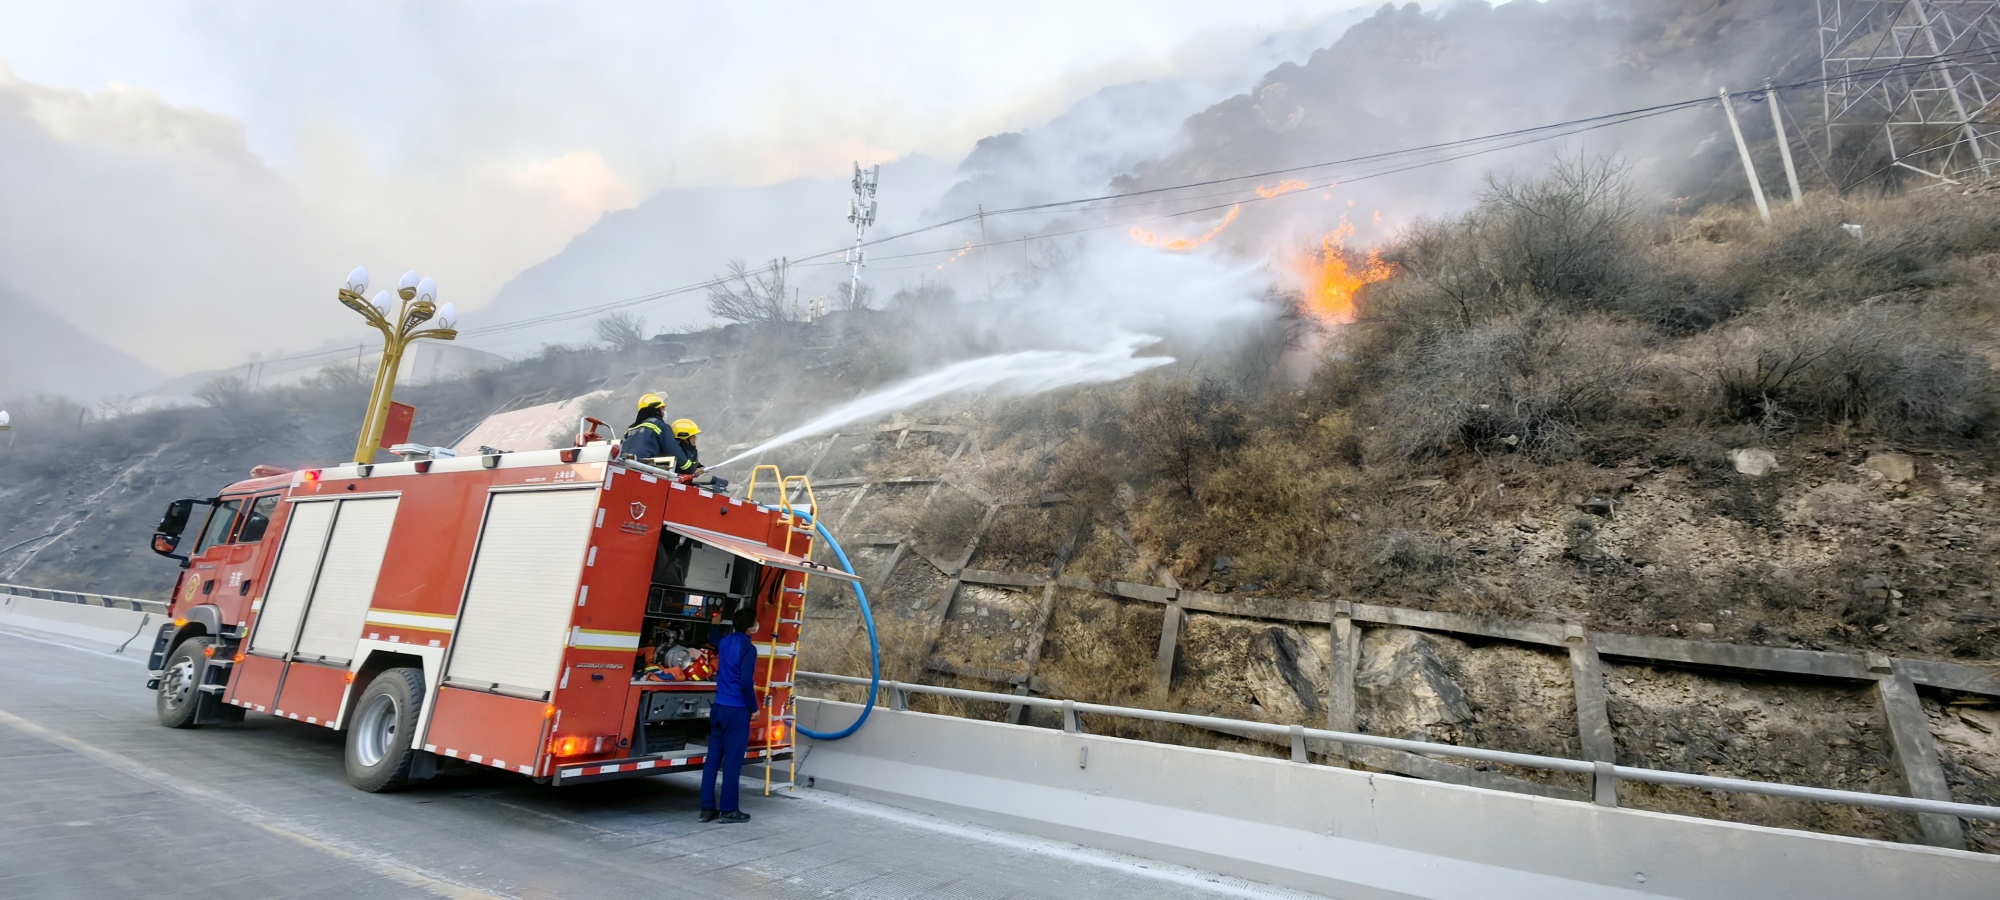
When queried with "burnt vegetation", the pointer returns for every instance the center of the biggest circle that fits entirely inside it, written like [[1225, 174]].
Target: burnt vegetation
[[1540, 415]]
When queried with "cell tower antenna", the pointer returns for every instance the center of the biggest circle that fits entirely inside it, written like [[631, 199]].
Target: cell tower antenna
[[1922, 74], [861, 211]]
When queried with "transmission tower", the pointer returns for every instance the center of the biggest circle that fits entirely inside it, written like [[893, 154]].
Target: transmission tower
[[1922, 74], [860, 211]]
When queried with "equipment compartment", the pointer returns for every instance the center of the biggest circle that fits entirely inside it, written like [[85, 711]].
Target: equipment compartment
[[669, 719]]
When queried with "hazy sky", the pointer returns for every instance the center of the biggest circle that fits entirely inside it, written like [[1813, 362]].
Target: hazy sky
[[164, 166]]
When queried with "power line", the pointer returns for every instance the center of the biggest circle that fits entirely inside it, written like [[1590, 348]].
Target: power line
[[1526, 136], [1346, 179]]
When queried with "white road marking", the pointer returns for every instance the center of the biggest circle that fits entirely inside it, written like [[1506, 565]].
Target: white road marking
[[1105, 859], [401, 873]]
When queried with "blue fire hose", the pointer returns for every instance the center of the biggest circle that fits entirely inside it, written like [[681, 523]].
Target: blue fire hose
[[874, 648]]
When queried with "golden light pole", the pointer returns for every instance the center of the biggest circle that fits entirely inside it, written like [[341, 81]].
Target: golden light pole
[[400, 329]]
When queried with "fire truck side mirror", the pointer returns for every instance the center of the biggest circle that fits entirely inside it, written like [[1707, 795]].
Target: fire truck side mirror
[[167, 535], [175, 520]]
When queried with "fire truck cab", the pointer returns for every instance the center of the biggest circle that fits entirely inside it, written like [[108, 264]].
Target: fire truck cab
[[531, 612]]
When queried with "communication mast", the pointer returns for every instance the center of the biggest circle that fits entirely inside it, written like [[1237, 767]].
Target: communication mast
[[860, 211], [1922, 73]]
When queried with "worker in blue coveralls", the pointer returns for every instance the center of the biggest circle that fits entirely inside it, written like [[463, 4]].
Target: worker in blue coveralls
[[729, 717]]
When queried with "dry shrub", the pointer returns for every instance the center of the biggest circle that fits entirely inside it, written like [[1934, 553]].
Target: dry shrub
[[1179, 430], [1806, 256], [1685, 290], [1268, 509], [1565, 237], [1530, 384], [1416, 555], [1099, 649], [1884, 366]]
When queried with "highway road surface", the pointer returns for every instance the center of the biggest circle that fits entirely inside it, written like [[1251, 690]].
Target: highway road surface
[[96, 800]]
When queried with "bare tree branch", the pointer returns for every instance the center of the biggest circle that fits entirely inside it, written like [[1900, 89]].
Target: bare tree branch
[[622, 330], [752, 295]]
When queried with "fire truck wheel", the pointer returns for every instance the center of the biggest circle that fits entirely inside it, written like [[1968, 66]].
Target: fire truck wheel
[[378, 738], [180, 683]]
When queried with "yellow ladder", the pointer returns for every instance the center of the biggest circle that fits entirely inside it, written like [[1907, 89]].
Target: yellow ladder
[[786, 722]]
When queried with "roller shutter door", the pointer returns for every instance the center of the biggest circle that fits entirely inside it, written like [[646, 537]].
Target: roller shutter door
[[346, 583], [284, 600], [520, 599]]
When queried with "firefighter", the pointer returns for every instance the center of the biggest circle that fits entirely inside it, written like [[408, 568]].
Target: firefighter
[[729, 717], [690, 467], [647, 438]]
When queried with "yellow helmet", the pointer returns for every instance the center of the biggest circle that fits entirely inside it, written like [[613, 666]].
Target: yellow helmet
[[652, 400], [685, 428]]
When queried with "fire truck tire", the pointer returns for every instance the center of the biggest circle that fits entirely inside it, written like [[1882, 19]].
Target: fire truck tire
[[177, 700], [379, 756]]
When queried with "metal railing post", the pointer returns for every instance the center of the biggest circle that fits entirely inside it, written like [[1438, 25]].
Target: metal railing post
[[1604, 783], [1069, 722], [1299, 744]]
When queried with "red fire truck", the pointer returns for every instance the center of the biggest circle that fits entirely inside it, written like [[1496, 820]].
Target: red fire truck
[[540, 612]]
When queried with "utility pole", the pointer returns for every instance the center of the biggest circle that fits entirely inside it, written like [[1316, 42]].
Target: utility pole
[[860, 211], [1750, 169], [985, 263], [1784, 143], [782, 269]]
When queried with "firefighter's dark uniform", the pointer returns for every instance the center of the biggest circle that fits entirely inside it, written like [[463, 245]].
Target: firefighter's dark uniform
[[688, 462], [648, 439], [689, 458]]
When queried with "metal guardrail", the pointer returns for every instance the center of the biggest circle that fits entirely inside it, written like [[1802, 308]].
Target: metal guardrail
[[1604, 776], [78, 597]]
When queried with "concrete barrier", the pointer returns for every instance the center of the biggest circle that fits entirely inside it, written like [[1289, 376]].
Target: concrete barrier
[[122, 631], [1341, 832]]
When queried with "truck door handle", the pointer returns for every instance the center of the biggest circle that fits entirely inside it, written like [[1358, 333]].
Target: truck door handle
[[208, 587], [245, 590]]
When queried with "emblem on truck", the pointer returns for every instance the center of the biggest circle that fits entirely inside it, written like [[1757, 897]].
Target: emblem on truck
[[638, 511]]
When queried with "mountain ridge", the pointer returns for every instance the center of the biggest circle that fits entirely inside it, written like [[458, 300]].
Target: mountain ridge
[[47, 355]]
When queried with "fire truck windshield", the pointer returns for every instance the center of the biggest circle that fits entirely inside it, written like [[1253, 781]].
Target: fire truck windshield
[[217, 529]]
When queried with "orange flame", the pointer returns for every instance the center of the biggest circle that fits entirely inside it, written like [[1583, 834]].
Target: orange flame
[[1182, 245], [956, 256], [1284, 187], [1330, 283]]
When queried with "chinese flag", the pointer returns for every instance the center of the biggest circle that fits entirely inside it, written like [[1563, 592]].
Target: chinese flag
[[397, 429]]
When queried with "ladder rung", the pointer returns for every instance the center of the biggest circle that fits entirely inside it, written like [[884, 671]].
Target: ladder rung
[[790, 621]]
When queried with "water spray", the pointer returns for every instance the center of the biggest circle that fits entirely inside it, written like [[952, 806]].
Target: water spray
[[1024, 373]]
